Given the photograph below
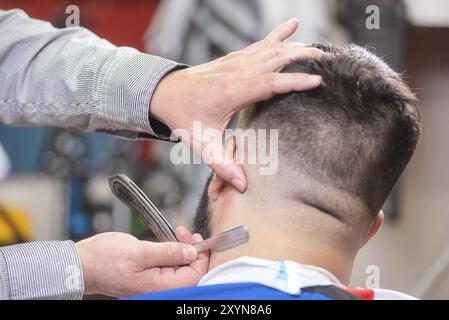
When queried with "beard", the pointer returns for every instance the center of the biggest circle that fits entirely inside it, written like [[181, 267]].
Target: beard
[[201, 223]]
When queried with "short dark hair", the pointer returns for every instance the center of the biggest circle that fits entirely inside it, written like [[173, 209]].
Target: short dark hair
[[355, 133]]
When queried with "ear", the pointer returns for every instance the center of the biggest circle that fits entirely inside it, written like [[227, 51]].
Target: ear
[[218, 185], [375, 226]]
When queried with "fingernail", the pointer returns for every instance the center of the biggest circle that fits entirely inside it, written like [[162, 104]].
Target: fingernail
[[315, 79], [292, 21], [319, 51], [189, 254], [238, 184], [198, 237]]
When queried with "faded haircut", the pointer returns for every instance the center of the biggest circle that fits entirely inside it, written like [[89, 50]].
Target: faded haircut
[[351, 138]]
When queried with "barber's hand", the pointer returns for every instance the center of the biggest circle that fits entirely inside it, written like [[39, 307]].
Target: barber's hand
[[212, 93], [119, 265]]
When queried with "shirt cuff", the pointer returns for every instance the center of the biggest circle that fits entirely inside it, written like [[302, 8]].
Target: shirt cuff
[[4, 280], [41, 270], [127, 90]]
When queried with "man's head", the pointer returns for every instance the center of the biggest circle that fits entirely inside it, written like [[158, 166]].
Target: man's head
[[341, 149]]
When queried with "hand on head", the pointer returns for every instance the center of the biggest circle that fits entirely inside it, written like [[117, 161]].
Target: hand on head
[[212, 93]]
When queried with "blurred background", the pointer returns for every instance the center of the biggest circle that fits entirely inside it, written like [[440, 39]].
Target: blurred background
[[53, 183]]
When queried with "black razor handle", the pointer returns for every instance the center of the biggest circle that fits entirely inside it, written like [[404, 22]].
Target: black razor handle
[[130, 194]]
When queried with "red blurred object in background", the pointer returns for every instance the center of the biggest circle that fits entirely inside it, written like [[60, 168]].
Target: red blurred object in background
[[121, 22]]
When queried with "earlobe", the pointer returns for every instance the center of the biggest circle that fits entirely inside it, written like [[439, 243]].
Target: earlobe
[[218, 185]]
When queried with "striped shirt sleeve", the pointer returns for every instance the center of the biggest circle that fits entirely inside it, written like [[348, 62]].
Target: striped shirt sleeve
[[41, 270], [73, 79]]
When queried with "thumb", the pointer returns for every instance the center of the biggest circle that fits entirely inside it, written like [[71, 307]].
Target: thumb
[[166, 254]]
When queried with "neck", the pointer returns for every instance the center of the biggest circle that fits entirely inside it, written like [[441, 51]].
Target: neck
[[285, 231]]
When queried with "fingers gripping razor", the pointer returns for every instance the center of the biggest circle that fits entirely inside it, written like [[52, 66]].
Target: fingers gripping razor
[[130, 194]]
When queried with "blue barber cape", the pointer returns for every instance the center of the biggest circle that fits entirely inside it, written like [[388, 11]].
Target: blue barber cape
[[230, 291]]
